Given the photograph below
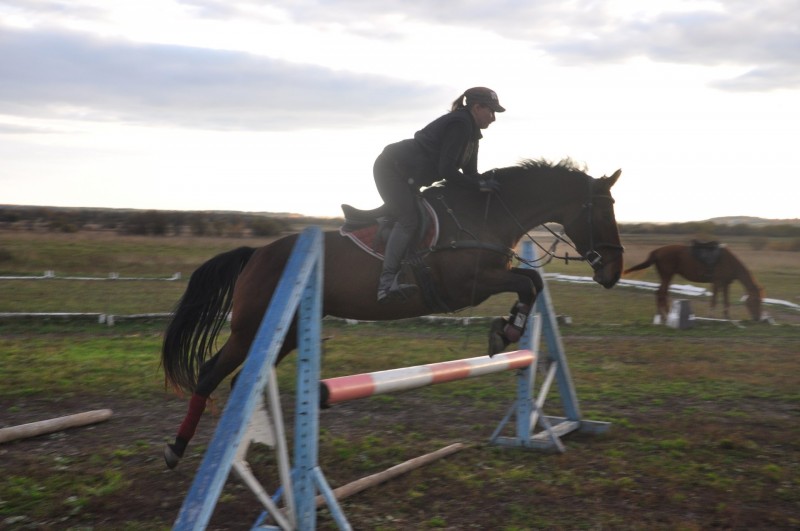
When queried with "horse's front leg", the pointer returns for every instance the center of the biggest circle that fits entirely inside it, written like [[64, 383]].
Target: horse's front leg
[[527, 284], [714, 290], [725, 301]]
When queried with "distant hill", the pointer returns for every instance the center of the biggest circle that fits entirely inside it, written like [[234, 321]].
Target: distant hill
[[238, 224], [753, 221]]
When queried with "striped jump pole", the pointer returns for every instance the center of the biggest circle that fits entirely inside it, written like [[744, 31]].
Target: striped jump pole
[[353, 387], [524, 410]]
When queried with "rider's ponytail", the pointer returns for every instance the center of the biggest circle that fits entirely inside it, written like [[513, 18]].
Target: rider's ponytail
[[458, 103]]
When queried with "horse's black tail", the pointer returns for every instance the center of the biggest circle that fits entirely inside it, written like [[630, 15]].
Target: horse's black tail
[[199, 315], [644, 265]]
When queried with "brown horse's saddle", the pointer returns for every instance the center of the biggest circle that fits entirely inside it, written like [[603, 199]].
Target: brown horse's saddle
[[707, 253], [370, 229]]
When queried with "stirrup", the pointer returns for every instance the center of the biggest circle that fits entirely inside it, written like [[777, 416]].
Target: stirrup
[[398, 292]]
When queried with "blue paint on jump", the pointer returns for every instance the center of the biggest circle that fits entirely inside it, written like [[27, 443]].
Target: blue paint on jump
[[298, 290]]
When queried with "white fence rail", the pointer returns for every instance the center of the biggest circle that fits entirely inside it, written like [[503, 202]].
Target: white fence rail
[[51, 275], [110, 319]]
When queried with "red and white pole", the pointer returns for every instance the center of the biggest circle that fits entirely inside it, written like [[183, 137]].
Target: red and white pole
[[344, 388]]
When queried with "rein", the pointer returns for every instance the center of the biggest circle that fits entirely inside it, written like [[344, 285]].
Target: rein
[[473, 243], [592, 256]]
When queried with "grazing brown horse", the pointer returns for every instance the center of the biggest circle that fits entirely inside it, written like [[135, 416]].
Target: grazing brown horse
[[720, 269], [472, 261]]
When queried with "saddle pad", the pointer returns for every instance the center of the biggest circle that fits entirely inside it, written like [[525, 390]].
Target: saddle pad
[[707, 253], [368, 238]]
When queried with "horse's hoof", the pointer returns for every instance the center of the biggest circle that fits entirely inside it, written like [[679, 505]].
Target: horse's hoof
[[497, 341], [496, 344], [171, 457]]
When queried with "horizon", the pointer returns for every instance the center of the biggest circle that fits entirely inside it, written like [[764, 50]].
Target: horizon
[[716, 219], [237, 105]]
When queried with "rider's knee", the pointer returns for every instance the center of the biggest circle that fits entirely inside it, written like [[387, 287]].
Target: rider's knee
[[408, 222]]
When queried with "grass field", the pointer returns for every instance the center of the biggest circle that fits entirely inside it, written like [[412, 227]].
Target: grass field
[[704, 421]]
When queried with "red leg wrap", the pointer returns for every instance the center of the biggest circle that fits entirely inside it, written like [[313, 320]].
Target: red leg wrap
[[197, 405]]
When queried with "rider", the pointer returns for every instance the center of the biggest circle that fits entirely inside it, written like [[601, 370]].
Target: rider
[[445, 149]]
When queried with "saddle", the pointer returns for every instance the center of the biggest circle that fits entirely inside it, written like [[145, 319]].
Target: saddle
[[370, 229], [707, 253]]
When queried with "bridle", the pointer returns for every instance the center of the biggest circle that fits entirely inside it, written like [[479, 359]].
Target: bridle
[[592, 256]]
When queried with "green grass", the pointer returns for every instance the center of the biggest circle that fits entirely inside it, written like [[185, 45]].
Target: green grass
[[704, 421], [123, 361]]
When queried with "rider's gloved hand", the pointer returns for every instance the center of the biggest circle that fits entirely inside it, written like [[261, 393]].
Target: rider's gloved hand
[[489, 185]]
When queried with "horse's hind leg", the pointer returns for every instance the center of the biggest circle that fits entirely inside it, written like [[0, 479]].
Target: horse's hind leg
[[206, 367], [661, 303], [197, 405], [211, 374]]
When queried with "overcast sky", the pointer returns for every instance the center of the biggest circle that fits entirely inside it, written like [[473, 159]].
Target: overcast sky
[[282, 106]]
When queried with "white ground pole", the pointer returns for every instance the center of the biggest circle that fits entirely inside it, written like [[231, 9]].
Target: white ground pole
[[41, 427]]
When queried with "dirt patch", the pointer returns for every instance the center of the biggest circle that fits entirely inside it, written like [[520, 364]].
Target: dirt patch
[[479, 488], [132, 441]]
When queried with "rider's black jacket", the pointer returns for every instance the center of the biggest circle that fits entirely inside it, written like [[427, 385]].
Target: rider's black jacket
[[445, 149]]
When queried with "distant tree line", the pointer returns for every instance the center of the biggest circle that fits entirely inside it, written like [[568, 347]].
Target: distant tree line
[[143, 222], [774, 235], [771, 230], [239, 224]]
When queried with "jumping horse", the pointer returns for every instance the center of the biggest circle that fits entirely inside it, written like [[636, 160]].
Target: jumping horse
[[706, 263], [472, 261]]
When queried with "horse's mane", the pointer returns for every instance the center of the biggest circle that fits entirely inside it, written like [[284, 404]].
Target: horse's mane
[[744, 275], [565, 166], [543, 164]]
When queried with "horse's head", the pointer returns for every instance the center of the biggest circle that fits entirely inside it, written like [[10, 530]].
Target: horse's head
[[753, 304], [592, 227]]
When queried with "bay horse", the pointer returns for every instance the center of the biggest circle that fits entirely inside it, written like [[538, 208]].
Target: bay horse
[[479, 232], [678, 259]]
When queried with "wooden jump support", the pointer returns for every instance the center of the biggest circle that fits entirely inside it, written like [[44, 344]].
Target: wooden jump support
[[303, 484], [41, 427]]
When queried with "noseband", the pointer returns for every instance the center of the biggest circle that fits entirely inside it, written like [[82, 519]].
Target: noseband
[[592, 256]]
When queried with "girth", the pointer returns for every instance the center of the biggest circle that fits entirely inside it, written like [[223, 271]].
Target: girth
[[474, 244]]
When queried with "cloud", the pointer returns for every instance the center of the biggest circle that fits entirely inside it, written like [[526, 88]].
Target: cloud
[[760, 36], [54, 73], [46, 72], [762, 79], [14, 129], [763, 36]]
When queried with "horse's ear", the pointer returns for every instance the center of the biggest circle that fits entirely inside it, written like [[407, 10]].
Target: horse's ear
[[613, 179]]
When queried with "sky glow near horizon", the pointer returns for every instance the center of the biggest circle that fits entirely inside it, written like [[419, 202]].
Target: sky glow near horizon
[[240, 105]]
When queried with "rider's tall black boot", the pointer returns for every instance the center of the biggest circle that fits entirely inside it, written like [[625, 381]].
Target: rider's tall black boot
[[389, 288]]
